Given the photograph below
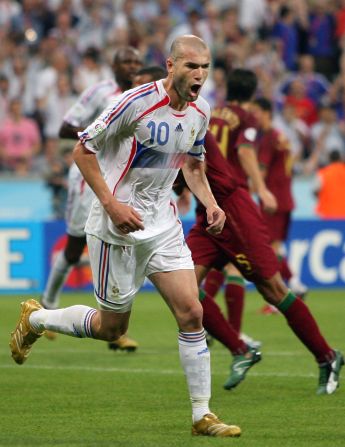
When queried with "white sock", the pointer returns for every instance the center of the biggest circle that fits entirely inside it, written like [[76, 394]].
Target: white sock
[[56, 280], [195, 360], [74, 320]]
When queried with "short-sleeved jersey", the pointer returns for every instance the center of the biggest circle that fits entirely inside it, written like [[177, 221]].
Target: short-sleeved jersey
[[233, 127], [220, 175], [275, 156], [91, 103], [144, 143]]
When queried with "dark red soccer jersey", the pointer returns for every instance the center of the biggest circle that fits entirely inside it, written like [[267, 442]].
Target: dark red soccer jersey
[[220, 174], [233, 126], [275, 156]]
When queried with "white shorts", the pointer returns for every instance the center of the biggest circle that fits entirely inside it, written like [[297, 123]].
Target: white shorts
[[79, 201], [119, 271]]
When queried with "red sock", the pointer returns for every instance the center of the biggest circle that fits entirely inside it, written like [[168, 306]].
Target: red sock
[[216, 325], [305, 327], [213, 282], [284, 268], [234, 298]]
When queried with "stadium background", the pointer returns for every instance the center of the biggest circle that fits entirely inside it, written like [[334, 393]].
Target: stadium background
[[46, 43], [30, 238]]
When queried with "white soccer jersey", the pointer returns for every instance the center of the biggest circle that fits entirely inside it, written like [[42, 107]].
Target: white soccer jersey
[[144, 143], [88, 106], [91, 103]]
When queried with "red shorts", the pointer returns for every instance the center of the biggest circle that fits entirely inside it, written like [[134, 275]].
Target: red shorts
[[277, 224], [244, 240]]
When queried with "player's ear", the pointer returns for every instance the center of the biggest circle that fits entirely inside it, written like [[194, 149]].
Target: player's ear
[[170, 65]]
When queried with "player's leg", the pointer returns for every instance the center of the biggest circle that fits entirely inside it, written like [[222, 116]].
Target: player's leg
[[234, 296], [214, 321], [259, 263], [213, 282], [78, 206], [171, 270], [77, 321], [63, 264], [114, 291], [206, 253], [179, 290], [305, 327]]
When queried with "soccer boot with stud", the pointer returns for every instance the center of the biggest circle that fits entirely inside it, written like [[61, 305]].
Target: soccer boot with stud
[[210, 425], [123, 343], [24, 336], [240, 366], [329, 374]]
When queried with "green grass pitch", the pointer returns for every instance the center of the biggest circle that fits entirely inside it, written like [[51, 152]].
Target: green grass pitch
[[73, 392]]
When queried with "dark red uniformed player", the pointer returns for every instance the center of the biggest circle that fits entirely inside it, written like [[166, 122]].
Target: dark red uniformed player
[[245, 242]]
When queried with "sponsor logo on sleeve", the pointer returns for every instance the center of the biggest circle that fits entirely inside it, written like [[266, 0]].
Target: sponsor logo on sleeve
[[97, 128]]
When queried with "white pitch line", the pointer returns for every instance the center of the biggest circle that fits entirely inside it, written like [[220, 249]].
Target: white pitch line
[[146, 371]]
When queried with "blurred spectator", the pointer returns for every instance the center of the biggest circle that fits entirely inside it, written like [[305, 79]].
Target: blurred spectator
[[264, 60], [340, 20], [337, 91], [296, 131], [22, 81], [34, 21], [4, 96], [66, 34], [195, 25], [9, 10], [57, 102], [235, 43], [252, 14], [19, 140], [329, 188], [326, 137], [92, 27], [47, 80], [286, 32], [56, 180], [321, 38], [43, 43], [316, 85], [126, 29], [218, 99], [91, 70], [304, 107]]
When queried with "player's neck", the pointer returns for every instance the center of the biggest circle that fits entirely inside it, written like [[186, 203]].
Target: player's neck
[[176, 102]]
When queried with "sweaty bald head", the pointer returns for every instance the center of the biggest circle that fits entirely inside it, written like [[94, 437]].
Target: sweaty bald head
[[186, 42]]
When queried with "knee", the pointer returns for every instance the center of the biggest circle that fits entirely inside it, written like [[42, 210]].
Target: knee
[[190, 318], [273, 289]]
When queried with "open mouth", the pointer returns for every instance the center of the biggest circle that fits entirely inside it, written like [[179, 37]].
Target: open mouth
[[195, 89]]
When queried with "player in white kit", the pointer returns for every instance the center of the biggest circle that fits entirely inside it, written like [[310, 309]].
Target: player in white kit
[[133, 230], [89, 105]]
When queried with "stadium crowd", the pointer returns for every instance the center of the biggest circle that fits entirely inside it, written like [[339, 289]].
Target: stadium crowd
[[53, 49]]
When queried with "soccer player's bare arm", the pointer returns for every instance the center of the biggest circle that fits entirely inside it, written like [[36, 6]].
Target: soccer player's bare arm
[[125, 218], [250, 165], [194, 174]]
